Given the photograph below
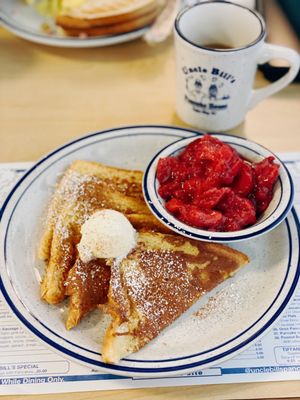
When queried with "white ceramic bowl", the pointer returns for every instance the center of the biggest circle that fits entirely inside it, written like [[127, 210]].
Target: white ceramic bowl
[[275, 213]]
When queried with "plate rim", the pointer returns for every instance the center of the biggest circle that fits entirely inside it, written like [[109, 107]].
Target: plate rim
[[175, 369]]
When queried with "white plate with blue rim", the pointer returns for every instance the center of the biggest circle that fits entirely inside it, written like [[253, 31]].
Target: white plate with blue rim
[[219, 326], [23, 21]]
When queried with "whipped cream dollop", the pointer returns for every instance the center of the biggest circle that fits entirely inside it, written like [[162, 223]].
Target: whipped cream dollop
[[106, 234]]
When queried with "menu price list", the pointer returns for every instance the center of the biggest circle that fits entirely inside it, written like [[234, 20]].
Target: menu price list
[[27, 366]]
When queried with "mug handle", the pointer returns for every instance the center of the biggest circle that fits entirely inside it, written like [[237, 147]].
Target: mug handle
[[267, 53]]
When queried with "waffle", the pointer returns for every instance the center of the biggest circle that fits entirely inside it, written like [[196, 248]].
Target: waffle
[[107, 17], [157, 282]]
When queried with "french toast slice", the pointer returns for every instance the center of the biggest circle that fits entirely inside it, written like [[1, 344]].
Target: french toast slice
[[69, 186], [106, 30], [156, 283], [107, 17], [84, 188], [87, 285], [85, 276]]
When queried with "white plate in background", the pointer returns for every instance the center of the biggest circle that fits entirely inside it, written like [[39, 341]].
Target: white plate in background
[[25, 22]]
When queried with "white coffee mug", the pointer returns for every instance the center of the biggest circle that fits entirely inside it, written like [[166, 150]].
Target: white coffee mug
[[218, 46]]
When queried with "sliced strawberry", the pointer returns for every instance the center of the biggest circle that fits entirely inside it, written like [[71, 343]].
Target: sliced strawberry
[[266, 174], [182, 195], [192, 186], [262, 197], [200, 149], [243, 184], [174, 206], [165, 167], [210, 199], [238, 212], [211, 178], [188, 154], [167, 189], [228, 165], [231, 224], [205, 219]]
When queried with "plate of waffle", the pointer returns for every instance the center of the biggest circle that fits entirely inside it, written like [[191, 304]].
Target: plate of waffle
[[170, 306], [79, 23]]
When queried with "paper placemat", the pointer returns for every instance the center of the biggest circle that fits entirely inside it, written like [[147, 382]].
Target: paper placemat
[[29, 367]]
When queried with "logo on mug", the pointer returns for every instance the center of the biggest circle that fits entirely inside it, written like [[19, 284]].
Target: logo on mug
[[207, 91]]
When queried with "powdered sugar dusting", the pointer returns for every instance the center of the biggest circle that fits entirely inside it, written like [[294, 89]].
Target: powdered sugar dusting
[[80, 195], [224, 302], [152, 280], [83, 190]]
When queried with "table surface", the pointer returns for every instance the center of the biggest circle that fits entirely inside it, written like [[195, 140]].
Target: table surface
[[51, 95]]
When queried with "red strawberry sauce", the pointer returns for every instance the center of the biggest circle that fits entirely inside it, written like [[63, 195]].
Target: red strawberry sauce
[[209, 186]]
